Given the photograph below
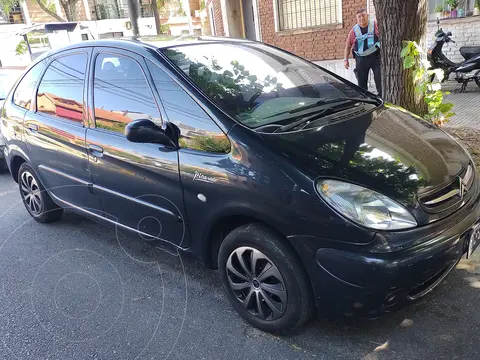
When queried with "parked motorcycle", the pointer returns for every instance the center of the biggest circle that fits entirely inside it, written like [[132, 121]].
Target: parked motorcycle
[[466, 71]]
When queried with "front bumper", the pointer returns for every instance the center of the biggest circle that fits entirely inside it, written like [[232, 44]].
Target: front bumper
[[358, 280]]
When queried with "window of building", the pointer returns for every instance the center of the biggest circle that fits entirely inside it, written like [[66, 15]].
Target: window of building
[[60, 92], [24, 92], [299, 14], [14, 16], [146, 8], [111, 9], [197, 130], [109, 35], [466, 5], [121, 93]]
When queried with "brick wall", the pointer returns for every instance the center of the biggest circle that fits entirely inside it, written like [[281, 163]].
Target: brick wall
[[217, 10], [323, 43], [37, 15], [466, 32]]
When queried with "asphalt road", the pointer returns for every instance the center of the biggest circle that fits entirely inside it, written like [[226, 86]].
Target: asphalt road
[[75, 290]]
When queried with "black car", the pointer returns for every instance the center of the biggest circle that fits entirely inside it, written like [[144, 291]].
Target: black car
[[6, 81], [306, 192]]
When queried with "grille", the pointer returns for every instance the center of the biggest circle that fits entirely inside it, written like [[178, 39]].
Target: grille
[[452, 196]]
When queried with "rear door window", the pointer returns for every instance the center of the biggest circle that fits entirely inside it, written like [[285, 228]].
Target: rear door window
[[60, 92]]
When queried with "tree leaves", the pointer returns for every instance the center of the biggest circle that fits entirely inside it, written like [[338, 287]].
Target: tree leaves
[[423, 76], [7, 5], [408, 62], [405, 51], [418, 74]]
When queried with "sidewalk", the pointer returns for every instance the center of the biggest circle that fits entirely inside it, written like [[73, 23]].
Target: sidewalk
[[466, 105]]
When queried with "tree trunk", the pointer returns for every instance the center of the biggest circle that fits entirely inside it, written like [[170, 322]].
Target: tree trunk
[[70, 8], [399, 21], [156, 15], [52, 14], [133, 13]]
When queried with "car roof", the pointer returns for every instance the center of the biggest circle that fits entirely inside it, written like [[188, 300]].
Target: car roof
[[141, 44]]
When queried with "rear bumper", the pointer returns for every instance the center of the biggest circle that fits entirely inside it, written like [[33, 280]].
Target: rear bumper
[[355, 280]]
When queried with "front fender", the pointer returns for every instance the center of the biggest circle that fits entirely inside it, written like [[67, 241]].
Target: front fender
[[231, 215]]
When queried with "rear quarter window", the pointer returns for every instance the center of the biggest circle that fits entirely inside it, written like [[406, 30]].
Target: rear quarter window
[[24, 92]]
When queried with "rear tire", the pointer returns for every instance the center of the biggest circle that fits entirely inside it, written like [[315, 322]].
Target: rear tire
[[38, 203], [477, 79], [3, 165], [264, 279]]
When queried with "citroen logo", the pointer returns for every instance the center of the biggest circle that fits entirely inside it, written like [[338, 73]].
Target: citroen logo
[[462, 188]]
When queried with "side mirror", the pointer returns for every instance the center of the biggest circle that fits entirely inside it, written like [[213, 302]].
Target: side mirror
[[146, 131]]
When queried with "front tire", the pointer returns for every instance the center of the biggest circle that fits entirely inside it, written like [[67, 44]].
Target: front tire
[[264, 279], [38, 203]]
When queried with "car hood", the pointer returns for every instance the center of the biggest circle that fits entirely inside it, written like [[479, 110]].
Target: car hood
[[388, 150]]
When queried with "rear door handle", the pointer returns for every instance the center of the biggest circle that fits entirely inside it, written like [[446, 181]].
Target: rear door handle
[[95, 149], [33, 127]]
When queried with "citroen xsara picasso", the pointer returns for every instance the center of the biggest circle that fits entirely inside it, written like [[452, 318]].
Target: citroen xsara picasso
[[305, 191]]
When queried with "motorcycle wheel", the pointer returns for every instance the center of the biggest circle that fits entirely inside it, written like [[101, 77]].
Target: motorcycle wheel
[[477, 78]]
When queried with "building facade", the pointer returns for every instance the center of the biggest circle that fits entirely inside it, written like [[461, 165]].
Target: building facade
[[317, 29], [98, 19], [313, 29], [173, 15]]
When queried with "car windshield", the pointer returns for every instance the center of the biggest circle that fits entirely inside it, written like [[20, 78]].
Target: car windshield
[[258, 84]]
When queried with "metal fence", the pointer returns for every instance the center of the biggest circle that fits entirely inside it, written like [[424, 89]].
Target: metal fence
[[299, 14], [118, 9]]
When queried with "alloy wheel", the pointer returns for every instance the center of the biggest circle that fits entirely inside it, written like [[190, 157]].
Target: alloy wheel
[[257, 283], [31, 193]]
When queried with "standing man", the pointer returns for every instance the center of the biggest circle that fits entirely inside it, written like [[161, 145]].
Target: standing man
[[363, 39]]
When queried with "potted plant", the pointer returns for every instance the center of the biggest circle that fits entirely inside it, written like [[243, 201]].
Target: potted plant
[[439, 11], [446, 12], [477, 8], [453, 7]]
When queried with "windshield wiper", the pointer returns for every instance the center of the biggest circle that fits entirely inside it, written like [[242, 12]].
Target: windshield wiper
[[301, 121], [333, 101], [318, 115], [325, 102]]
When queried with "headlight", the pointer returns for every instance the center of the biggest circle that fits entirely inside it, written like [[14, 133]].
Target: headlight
[[365, 207]]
